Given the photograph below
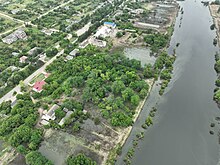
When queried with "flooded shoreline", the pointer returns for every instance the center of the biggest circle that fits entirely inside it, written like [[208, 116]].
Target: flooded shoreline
[[180, 134]]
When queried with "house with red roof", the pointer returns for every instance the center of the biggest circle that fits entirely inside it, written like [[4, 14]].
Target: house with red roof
[[38, 86]]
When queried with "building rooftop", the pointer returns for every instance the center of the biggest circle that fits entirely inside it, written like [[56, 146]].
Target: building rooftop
[[44, 122], [62, 121], [50, 115], [23, 59], [112, 24], [38, 86], [18, 34], [74, 52], [52, 110]]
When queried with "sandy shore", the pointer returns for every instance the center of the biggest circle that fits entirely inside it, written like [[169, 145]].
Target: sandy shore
[[216, 19]]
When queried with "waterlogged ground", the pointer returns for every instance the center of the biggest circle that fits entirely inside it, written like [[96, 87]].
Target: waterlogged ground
[[59, 145], [140, 54]]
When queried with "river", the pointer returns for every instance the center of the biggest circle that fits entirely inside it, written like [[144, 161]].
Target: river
[[180, 134]]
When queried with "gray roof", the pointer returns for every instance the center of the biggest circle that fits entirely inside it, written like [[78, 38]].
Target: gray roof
[[52, 110]]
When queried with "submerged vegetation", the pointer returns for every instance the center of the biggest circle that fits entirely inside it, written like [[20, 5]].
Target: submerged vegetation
[[92, 87], [156, 41], [140, 136], [217, 82]]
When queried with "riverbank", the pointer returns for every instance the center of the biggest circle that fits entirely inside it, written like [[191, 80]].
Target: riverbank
[[181, 134], [213, 8], [124, 133]]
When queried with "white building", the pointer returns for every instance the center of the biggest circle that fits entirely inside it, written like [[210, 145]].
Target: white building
[[50, 115], [23, 59], [18, 34], [68, 114], [74, 52], [104, 31]]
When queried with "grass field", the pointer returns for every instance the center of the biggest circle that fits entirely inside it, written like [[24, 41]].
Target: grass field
[[6, 24], [39, 77]]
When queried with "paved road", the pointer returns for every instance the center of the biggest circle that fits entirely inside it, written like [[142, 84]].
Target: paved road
[[9, 95]]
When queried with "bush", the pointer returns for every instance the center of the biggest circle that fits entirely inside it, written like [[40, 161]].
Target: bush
[[97, 121], [36, 158], [80, 159]]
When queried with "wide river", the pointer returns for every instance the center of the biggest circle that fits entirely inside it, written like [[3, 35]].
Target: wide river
[[180, 134]]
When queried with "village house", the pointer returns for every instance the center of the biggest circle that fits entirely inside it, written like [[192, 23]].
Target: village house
[[23, 59], [33, 51], [44, 122], [18, 34], [50, 115], [48, 32], [69, 57], [15, 11], [68, 114], [15, 54], [42, 57], [38, 86], [74, 53]]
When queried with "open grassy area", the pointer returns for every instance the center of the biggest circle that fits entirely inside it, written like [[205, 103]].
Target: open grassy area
[[39, 77], [6, 24]]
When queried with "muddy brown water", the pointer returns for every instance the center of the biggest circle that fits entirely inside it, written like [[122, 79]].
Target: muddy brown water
[[180, 134]]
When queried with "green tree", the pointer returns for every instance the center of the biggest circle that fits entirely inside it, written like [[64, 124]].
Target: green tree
[[135, 99], [59, 113], [127, 93], [118, 86], [217, 66], [36, 158], [76, 127], [80, 159]]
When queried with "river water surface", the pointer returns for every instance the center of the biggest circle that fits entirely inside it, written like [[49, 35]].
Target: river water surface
[[180, 134]]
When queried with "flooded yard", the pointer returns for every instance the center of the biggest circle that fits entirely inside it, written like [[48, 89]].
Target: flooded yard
[[140, 54], [58, 145]]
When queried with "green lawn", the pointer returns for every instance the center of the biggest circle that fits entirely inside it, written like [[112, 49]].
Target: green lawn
[[39, 77]]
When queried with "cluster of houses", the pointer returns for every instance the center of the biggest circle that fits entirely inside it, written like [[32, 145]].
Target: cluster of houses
[[33, 52], [50, 115], [18, 34]]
